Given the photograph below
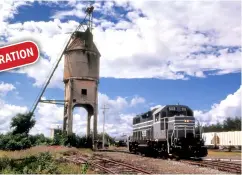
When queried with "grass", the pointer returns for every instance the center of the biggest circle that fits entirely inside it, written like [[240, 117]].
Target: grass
[[55, 151], [70, 168], [223, 153]]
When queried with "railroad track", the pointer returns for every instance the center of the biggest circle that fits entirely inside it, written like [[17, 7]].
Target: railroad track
[[106, 165], [215, 164], [227, 166], [117, 151]]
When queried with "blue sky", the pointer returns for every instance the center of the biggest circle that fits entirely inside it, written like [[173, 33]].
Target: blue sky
[[198, 93], [148, 59]]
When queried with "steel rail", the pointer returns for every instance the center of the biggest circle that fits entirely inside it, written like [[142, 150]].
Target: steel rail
[[105, 160], [91, 163], [125, 165], [216, 165]]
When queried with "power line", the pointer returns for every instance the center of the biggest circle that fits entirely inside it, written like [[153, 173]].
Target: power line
[[104, 110]]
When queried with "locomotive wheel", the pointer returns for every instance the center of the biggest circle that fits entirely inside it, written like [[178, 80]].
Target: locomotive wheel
[[170, 157], [154, 153], [176, 157], [166, 156], [163, 155]]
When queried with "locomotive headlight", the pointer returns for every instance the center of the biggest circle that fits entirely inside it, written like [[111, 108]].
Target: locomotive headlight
[[186, 121]]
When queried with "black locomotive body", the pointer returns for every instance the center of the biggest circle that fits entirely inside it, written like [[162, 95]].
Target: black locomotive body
[[121, 141], [167, 131]]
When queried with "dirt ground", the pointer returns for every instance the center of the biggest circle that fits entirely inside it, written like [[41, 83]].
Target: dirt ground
[[160, 166], [169, 166], [213, 154]]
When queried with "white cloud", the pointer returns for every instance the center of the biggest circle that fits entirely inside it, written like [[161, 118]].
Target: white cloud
[[5, 88], [158, 45], [229, 107], [47, 115], [8, 8], [117, 120], [78, 11], [50, 115], [137, 100], [46, 35], [7, 112], [165, 37]]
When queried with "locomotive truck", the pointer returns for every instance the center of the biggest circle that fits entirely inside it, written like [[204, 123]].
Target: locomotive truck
[[167, 132]]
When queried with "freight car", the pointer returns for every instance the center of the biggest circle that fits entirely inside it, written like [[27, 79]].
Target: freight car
[[167, 132], [223, 139]]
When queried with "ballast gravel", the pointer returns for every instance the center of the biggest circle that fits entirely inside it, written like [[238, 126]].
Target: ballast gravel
[[160, 166]]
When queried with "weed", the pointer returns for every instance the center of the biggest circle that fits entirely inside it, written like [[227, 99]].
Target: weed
[[40, 164], [84, 168], [35, 151], [39, 160]]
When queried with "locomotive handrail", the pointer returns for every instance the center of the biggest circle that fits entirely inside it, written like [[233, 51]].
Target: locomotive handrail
[[183, 126], [172, 136], [167, 141]]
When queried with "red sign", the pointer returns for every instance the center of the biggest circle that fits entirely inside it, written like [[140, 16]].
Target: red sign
[[17, 55]]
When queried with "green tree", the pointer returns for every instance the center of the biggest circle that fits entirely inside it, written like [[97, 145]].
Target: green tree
[[59, 138], [39, 139], [229, 124], [106, 137], [238, 123], [22, 123], [197, 128], [218, 127]]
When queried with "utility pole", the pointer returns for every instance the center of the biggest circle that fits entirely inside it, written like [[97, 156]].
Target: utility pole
[[104, 110]]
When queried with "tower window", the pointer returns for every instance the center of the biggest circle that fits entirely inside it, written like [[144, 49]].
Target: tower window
[[84, 92]]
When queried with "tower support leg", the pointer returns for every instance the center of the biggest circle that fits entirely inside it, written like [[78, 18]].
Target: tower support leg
[[65, 118], [69, 109], [88, 124], [95, 127]]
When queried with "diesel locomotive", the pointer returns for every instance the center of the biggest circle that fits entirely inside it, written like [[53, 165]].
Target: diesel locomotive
[[167, 132]]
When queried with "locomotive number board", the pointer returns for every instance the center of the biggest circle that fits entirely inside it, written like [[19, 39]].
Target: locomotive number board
[[144, 133]]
